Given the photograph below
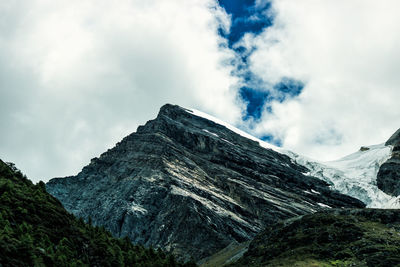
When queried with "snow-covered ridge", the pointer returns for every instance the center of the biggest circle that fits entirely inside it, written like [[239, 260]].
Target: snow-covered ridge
[[354, 175], [233, 129]]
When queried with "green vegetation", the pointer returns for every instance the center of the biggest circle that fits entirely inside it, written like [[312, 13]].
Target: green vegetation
[[229, 254], [35, 230], [358, 237]]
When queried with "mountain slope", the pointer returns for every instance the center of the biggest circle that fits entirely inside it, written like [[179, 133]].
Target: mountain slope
[[346, 237], [192, 186], [35, 230]]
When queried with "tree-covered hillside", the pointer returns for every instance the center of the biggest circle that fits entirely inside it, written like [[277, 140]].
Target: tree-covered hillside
[[338, 237], [35, 230]]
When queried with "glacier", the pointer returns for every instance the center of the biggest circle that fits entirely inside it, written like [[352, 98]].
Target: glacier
[[353, 175]]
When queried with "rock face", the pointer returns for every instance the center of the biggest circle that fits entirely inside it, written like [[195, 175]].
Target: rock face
[[191, 186], [394, 140], [388, 178]]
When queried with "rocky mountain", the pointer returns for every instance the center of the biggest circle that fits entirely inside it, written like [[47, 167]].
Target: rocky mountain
[[388, 178], [336, 237], [189, 184]]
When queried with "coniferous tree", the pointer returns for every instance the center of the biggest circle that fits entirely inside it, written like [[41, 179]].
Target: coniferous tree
[[35, 230]]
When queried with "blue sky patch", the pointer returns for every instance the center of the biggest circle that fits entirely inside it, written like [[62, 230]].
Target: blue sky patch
[[272, 140], [246, 17], [288, 88], [255, 101]]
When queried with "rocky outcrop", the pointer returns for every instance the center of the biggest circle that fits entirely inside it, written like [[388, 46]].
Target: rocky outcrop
[[394, 140], [191, 186], [388, 178]]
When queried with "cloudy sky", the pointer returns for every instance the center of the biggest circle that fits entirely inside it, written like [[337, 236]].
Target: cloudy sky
[[76, 76]]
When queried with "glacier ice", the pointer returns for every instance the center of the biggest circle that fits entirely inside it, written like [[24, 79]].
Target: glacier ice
[[353, 175]]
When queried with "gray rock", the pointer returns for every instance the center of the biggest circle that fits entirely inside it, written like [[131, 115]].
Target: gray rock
[[394, 140], [191, 186], [388, 178]]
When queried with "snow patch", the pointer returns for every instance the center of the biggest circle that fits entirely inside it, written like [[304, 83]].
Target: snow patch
[[185, 176], [324, 205], [136, 208], [216, 135], [232, 128], [208, 204], [229, 142], [315, 192], [207, 131]]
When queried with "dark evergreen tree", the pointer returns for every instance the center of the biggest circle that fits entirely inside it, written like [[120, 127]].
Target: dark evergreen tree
[[35, 230]]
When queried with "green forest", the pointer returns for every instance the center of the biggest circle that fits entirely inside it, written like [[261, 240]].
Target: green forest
[[35, 230]]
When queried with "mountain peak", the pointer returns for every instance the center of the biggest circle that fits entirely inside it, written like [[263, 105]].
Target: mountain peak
[[388, 177], [192, 186], [170, 109], [394, 140]]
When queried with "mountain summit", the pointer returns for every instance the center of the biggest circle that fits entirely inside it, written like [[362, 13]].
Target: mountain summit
[[388, 178], [192, 186]]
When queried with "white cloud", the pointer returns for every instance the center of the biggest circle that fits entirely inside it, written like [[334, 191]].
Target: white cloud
[[347, 54], [77, 76]]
